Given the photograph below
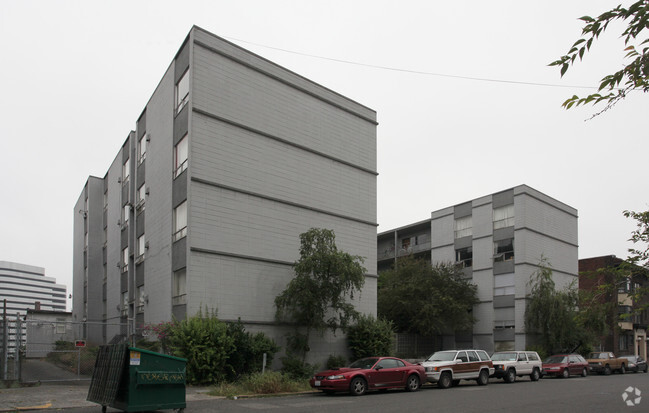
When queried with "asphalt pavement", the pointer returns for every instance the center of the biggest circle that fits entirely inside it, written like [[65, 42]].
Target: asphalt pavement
[[61, 396]]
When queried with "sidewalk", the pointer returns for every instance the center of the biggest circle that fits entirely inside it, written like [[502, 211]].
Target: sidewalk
[[60, 396]]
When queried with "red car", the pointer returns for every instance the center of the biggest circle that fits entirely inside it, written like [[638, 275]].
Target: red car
[[565, 365], [371, 373]]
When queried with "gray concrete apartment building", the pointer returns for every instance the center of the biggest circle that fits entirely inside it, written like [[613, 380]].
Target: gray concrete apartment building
[[498, 240], [231, 159]]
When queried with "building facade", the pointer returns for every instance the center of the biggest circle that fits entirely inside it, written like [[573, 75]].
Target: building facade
[[628, 319], [499, 240], [232, 158], [25, 287]]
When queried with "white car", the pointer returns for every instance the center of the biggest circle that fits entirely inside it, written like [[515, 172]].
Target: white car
[[511, 364]]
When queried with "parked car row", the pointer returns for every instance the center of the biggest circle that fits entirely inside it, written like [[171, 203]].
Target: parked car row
[[447, 368]]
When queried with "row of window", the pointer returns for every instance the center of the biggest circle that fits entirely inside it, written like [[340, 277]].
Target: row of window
[[503, 217], [503, 251]]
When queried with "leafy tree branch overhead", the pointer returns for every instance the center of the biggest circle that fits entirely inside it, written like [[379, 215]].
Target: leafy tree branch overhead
[[635, 73]]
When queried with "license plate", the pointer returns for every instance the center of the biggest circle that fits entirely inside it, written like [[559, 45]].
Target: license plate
[[317, 383]]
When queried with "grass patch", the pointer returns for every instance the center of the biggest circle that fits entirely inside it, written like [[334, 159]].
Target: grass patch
[[260, 384]]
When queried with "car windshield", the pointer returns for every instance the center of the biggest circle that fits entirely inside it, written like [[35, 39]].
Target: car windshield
[[598, 355], [442, 356], [555, 359], [364, 363], [504, 357]]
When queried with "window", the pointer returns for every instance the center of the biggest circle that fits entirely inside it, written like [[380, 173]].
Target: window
[[126, 171], [463, 227], [182, 91], [60, 328], [141, 246], [504, 216], [124, 308], [504, 317], [504, 250], [180, 221], [464, 257], [140, 300], [472, 356], [126, 212], [625, 286], [125, 259], [483, 355], [140, 196], [178, 293], [462, 357], [180, 156], [141, 148], [405, 244]]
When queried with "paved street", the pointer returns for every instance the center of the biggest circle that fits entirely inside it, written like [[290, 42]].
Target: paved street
[[592, 394]]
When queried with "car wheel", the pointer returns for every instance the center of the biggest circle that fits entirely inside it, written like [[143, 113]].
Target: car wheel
[[622, 369], [607, 370], [510, 376], [413, 383], [445, 380], [456, 383], [358, 386], [535, 376], [483, 378], [584, 372], [565, 373]]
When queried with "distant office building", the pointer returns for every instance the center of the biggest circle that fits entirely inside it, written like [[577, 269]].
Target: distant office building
[[232, 158], [628, 320], [25, 287], [498, 240]]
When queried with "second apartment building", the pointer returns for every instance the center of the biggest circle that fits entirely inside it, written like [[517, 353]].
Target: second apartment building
[[499, 240]]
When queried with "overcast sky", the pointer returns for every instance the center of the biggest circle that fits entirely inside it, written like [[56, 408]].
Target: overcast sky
[[77, 74]]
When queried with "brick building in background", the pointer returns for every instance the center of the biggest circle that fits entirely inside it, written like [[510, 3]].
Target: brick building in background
[[628, 321]]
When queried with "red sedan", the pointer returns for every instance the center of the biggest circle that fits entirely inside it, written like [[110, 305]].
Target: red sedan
[[565, 365], [372, 373]]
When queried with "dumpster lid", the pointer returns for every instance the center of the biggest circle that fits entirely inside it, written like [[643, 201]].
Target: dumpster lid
[[153, 353]]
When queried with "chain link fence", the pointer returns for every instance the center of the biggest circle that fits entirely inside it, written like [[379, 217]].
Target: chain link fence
[[48, 349]]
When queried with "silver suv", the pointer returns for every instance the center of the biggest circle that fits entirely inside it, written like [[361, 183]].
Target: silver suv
[[511, 364]]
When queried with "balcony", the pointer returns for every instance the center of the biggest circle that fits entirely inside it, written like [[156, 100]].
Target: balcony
[[388, 252]]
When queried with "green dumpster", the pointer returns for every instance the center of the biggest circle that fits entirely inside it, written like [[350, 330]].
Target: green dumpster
[[133, 380]]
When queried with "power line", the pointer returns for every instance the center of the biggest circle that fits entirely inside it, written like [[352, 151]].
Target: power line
[[417, 72]]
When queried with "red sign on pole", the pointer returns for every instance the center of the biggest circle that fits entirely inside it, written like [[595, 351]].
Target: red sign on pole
[[80, 343]]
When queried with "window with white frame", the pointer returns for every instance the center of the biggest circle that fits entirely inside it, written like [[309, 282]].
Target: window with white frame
[[179, 292], [126, 171], [141, 246], [125, 259], [140, 196], [504, 250], [463, 227], [141, 149], [180, 221], [504, 216], [182, 91], [181, 152]]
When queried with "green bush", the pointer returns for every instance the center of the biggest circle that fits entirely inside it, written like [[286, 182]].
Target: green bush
[[215, 350], [370, 337], [297, 369], [205, 343], [249, 351], [336, 361]]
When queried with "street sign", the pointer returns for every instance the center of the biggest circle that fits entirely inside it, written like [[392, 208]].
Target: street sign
[[80, 343]]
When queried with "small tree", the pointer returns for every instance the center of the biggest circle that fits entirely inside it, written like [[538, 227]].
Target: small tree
[[424, 299], [318, 298]]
